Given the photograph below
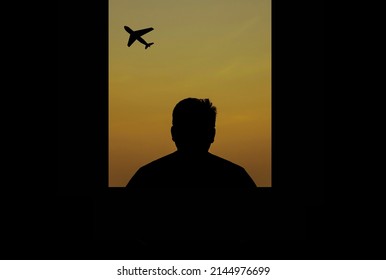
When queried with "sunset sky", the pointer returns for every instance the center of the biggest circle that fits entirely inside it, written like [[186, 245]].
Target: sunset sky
[[216, 49]]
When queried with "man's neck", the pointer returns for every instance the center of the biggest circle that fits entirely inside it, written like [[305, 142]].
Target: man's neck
[[192, 153]]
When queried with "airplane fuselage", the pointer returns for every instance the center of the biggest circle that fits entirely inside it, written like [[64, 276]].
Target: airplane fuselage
[[137, 36]]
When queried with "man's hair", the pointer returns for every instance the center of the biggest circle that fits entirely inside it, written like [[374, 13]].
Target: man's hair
[[193, 112]]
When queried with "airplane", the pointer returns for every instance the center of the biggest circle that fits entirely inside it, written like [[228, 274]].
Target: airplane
[[136, 35]]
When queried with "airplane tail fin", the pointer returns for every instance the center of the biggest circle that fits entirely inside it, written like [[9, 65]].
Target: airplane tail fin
[[148, 45]]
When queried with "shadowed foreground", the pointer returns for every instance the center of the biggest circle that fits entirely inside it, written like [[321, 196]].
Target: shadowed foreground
[[182, 214]]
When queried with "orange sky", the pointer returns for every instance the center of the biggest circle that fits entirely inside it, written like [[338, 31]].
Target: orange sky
[[216, 49]]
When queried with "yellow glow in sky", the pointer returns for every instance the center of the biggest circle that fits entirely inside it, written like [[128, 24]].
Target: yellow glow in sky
[[216, 49]]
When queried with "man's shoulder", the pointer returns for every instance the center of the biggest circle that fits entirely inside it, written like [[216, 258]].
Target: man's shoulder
[[160, 162], [232, 173], [224, 162], [151, 171]]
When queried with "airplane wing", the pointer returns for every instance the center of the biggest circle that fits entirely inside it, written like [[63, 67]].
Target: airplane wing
[[143, 31], [131, 40]]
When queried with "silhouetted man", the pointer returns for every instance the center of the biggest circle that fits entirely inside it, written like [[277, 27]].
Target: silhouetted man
[[191, 193], [192, 166]]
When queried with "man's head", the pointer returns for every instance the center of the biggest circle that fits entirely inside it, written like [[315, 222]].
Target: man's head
[[194, 122]]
